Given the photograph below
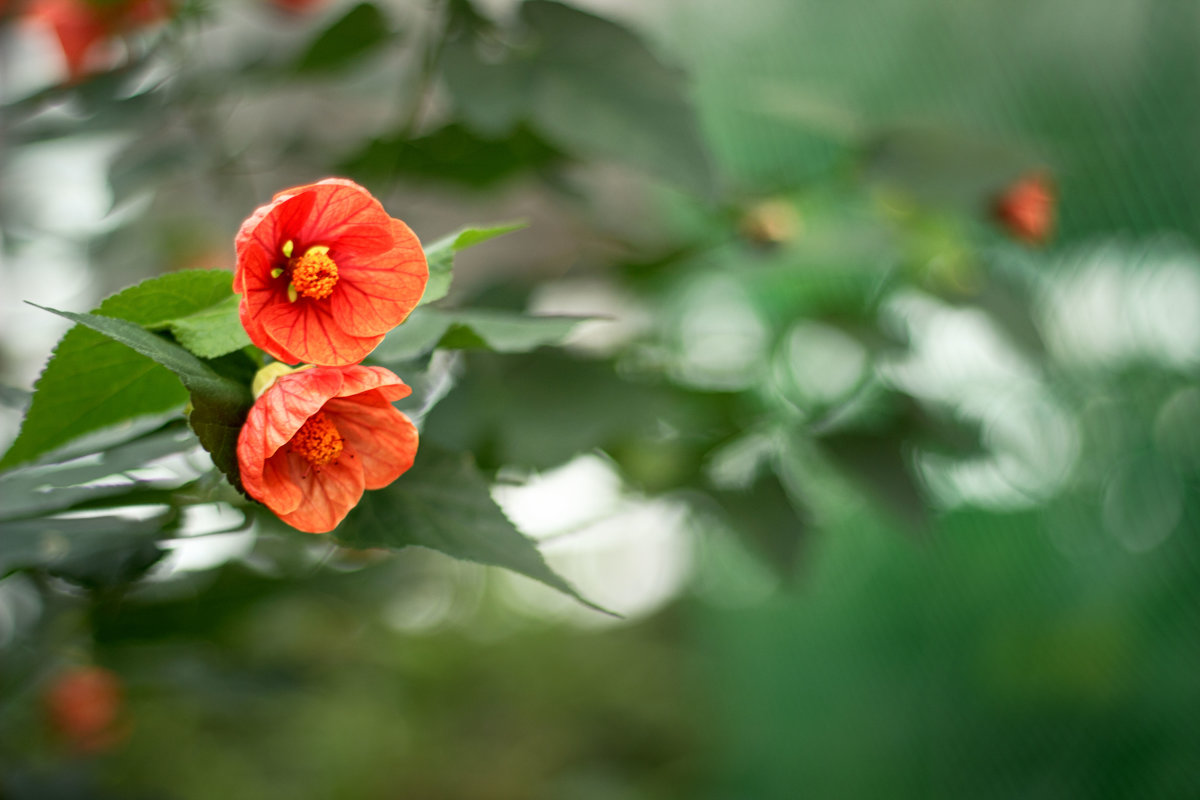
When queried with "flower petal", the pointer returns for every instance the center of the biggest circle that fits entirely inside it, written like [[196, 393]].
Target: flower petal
[[291, 400], [329, 494], [307, 327], [358, 379], [281, 482], [383, 437], [375, 295], [259, 336], [345, 217]]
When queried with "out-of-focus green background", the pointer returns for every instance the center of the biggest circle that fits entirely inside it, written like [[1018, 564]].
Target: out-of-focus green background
[[894, 504]]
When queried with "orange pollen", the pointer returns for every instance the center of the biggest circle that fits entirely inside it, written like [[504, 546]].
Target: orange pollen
[[318, 440], [314, 274]]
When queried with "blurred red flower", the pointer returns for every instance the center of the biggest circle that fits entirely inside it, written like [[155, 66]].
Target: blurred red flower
[[83, 705], [324, 273], [1026, 208], [317, 437], [297, 7], [82, 25]]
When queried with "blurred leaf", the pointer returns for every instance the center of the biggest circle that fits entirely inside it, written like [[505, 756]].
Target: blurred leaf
[[444, 503], [501, 331], [66, 543], [492, 97], [600, 90], [14, 398], [505, 332], [539, 409], [453, 153], [588, 85], [771, 520], [440, 255], [361, 30], [213, 331], [37, 490], [92, 382], [219, 404], [880, 464]]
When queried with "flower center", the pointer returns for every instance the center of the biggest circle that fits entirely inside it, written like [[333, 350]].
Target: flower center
[[314, 274], [318, 440]]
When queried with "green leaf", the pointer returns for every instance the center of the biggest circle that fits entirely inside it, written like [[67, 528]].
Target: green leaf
[[440, 255], [64, 545], [92, 382], [444, 503], [453, 153], [770, 519], [37, 490], [213, 331], [361, 30], [473, 329], [219, 404]]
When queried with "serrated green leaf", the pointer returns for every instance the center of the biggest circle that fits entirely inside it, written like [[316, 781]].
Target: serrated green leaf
[[500, 331], [92, 382], [440, 255], [213, 331], [360, 30], [219, 404], [444, 503]]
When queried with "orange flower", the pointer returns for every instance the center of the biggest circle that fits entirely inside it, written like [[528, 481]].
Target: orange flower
[[84, 704], [324, 273], [317, 437], [82, 25], [1026, 208]]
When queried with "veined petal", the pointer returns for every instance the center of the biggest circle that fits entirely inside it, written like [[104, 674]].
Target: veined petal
[[375, 295], [384, 438], [258, 335], [281, 481], [357, 379], [308, 328], [346, 218], [330, 492]]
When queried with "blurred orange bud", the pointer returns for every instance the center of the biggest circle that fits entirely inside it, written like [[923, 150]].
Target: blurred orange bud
[[298, 7], [84, 705], [82, 26], [771, 222], [1026, 208]]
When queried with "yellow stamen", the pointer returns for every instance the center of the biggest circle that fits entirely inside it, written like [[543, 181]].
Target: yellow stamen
[[292, 293], [318, 441], [275, 273], [314, 274], [287, 248]]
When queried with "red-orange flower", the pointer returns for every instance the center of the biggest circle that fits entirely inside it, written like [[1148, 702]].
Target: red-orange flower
[[324, 273], [317, 437], [82, 25], [1026, 208], [84, 706]]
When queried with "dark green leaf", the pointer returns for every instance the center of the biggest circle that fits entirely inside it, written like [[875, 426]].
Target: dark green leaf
[[501, 331], [360, 31], [63, 543], [444, 503], [452, 153], [219, 404], [600, 90], [770, 518], [213, 331], [881, 464], [92, 382], [440, 255], [37, 490]]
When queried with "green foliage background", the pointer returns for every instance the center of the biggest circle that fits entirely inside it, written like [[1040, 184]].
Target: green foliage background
[[922, 564]]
